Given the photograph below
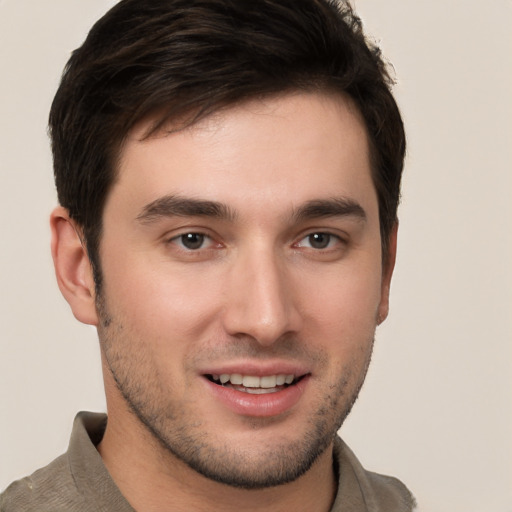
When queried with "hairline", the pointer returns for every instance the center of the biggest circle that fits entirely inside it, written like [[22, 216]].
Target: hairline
[[189, 118]]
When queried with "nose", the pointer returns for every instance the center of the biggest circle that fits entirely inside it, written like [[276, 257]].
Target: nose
[[260, 298]]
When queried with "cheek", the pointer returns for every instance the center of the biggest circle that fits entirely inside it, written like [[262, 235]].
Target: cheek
[[346, 301], [158, 302], [342, 321]]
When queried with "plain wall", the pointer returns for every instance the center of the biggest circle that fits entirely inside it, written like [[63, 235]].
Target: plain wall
[[436, 409]]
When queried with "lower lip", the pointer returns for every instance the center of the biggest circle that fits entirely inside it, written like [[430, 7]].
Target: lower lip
[[264, 405]]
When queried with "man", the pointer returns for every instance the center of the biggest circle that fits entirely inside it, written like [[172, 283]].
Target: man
[[228, 174]]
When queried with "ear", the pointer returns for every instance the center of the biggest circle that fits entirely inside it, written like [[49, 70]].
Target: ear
[[72, 267], [387, 273]]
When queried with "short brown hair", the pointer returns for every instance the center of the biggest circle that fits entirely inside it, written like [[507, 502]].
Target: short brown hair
[[188, 58]]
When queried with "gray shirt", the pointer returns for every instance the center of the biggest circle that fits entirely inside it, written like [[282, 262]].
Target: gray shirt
[[78, 481]]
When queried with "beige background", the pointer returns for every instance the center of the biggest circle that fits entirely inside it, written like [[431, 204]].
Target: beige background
[[437, 406]]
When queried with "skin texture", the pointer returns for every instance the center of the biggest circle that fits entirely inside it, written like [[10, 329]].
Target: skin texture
[[274, 280]]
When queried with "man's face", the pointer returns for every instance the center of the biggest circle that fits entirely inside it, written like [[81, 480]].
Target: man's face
[[242, 284]]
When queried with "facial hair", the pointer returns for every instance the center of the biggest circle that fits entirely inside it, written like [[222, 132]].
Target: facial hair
[[179, 428]]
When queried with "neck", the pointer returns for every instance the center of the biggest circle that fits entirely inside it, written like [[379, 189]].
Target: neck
[[152, 479]]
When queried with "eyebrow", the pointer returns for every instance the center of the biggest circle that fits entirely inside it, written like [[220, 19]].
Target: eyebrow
[[334, 207], [175, 205]]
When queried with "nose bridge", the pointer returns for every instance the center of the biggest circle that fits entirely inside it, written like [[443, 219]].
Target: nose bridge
[[260, 299]]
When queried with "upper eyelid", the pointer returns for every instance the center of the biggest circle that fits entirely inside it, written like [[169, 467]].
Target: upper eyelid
[[177, 233], [334, 235], [187, 232], [210, 242], [340, 234]]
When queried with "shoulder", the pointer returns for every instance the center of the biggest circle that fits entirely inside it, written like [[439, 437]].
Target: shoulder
[[389, 493], [372, 492], [49, 488], [74, 482]]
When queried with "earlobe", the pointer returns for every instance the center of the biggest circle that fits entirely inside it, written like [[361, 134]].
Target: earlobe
[[387, 273], [72, 267]]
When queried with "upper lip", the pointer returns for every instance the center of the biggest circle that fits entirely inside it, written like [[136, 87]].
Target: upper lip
[[257, 368]]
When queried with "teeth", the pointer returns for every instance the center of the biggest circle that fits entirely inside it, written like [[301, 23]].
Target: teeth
[[260, 391], [251, 382], [254, 382], [236, 379], [268, 382]]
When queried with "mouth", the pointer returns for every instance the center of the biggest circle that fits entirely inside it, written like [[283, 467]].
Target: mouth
[[253, 384], [257, 392]]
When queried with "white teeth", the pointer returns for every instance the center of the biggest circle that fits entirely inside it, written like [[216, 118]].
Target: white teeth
[[268, 382], [236, 379], [260, 391], [254, 382], [250, 382]]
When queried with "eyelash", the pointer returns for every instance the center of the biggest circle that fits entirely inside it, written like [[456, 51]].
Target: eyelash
[[330, 238], [179, 240]]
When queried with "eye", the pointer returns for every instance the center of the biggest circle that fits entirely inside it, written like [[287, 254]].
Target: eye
[[192, 241], [319, 241]]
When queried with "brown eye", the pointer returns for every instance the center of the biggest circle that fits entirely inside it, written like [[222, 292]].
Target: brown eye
[[192, 241], [319, 240]]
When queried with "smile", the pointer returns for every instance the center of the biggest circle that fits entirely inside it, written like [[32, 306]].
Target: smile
[[253, 384], [257, 393]]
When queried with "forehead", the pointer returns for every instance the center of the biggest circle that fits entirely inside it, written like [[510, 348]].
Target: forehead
[[294, 147]]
